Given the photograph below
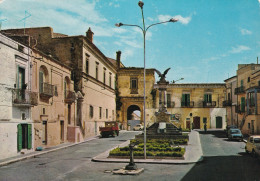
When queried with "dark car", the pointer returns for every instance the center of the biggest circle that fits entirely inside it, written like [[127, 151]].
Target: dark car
[[230, 127], [235, 134]]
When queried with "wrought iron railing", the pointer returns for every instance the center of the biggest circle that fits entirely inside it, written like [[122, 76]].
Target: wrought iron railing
[[209, 104], [187, 104], [227, 103], [69, 96], [47, 89], [170, 104], [24, 97], [240, 90]]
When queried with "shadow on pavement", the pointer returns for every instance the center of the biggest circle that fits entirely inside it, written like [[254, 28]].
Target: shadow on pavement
[[216, 133], [242, 167]]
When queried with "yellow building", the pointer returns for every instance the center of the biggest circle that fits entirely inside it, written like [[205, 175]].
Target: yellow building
[[196, 104]]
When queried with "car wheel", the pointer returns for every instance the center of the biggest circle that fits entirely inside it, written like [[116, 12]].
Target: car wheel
[[254, 153], [246, 150]]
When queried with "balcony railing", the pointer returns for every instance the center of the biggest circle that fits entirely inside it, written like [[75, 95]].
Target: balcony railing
[[240, 90], [170, 104], [251, 111], [251, 103], [23, 97], [46, 90], [227, 103], [187, 104], [70, 97], [239, 110], [209, 104]]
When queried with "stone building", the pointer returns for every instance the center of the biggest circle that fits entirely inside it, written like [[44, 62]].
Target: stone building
[[247, 101], [16, 99], [92, 72], [197, 104], [54, 116], [231, 100]]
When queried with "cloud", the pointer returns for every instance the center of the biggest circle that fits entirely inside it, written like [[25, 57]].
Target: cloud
[[183, 20], [245, 31], [1, 1], [239, 49]]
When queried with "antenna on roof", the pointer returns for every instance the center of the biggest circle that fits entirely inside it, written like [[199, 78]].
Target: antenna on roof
[[2, 20], [26, 15]]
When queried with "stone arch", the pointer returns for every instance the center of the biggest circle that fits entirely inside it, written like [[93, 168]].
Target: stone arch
[[131, 109], [43, 69]]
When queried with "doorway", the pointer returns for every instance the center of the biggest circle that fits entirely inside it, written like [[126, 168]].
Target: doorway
[[196, 122], [62, 131], [218, 122]]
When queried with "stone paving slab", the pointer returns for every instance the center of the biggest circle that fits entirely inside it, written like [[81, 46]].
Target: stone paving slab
[[193, 153]]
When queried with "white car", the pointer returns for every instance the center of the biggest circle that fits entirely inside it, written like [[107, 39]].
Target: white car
[[138, 127], [253, 145]]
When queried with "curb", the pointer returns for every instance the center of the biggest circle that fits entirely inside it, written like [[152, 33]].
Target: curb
[[4, 163]]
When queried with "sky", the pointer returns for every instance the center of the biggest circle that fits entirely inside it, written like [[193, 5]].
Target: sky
[[205, 46]]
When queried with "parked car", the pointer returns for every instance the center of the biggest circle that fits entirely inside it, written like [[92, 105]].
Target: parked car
[[235, 134], [229, 127], [138, 127], [253, 145]]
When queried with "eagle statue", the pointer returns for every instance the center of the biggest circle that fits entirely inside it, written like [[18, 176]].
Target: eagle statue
[[162, 76]]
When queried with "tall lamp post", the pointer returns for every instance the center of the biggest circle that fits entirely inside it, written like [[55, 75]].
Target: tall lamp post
[[144, 30]]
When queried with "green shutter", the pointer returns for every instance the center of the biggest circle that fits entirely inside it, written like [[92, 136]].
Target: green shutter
[[65, 89], [242, 104], [29, 145], [210, 98], [205, 98], [41, 82], [19, 137], [188, 97]]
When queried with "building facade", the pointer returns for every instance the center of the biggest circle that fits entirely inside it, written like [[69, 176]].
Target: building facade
[[16, 99]]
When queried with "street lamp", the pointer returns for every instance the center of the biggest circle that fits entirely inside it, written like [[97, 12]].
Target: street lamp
[[144, 30], [174, 81]]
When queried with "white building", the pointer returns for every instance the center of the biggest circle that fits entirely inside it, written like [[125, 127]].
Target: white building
[[16, 99]]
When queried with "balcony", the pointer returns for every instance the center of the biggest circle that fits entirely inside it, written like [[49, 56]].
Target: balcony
[[227, 103], [70, 97], [251, 111], [23, 97], [46, 90], [209, 104], [187, 104], [239, 110], [170, 104], [240, 90]]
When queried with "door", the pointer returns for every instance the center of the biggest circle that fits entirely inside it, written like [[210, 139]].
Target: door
[[218, 122], [62, 131], [44, 132], [196, 122], [187, 124]]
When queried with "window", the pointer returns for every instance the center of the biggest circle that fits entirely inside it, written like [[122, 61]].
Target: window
[[242, 104], [169, 101], [87, 66], [185, 100], [110, 79], [100, 112], [20, 48], [248, 79], [97, 70], [91, 111], [207, 98], [133, 85], [106, 113], [104, 75], [248, 125], [242, 83]]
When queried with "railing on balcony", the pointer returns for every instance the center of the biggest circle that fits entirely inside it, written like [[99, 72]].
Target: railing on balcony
[[240, 90], [70, 97], [251, 111], [239, 110], [187, 104], [209, 104], [46, 90], [23, 97], [251, 103], [227, 103], [170, 104]]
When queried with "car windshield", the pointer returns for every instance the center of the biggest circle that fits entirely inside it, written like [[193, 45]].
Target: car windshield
[[257, 140], [235, 131]]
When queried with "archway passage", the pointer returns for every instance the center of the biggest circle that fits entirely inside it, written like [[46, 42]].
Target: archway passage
[[133, 116]]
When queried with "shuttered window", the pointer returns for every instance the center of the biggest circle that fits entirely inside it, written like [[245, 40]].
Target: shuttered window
[[208, 98], [242, 104], [19, 137], [29, 144], [41, 81], [24, 136]]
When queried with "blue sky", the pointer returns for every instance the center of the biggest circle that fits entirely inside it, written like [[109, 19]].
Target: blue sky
[[205, 46]]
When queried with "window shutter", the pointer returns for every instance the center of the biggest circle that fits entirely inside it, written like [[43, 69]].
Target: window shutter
[[65, 89], [210, 98], [19, 137], [188, 97], [29, 145], [205, 98], [242, 104], [183, 98], [41, 82]]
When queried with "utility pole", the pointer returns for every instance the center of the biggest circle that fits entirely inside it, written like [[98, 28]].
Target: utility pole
[[26, 15], [2, 20]]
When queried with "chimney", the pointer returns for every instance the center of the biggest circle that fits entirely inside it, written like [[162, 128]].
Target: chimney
[[89, 35], [118, 57]]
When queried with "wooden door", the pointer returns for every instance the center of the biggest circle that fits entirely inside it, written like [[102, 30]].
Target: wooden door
[[196, 122]]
